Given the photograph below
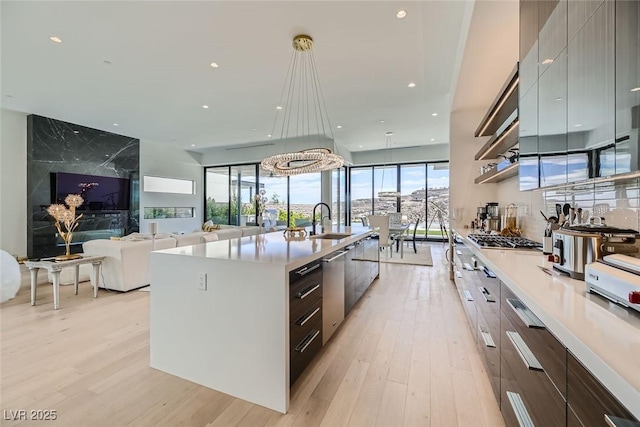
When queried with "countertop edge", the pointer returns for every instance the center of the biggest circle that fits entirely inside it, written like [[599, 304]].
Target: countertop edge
[[611, 379]]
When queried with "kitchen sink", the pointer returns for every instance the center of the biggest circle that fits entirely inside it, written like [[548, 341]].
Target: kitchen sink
[[331, 236]]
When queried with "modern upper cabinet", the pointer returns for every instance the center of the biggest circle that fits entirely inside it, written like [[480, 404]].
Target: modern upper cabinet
[[587, 65], [627, 42], [591, 96]]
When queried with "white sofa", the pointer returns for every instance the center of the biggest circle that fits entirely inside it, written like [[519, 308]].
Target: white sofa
[[126, 265]]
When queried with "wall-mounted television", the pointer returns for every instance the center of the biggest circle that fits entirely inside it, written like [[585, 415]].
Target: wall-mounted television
[[99, 192]]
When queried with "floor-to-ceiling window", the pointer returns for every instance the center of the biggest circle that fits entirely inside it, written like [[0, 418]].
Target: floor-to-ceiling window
[[413, 182], [243, 190], [304, 193], [424, 194], [338, 195], [217, 195], [361, 192], [437, 199], [276, 191], [385, 180]]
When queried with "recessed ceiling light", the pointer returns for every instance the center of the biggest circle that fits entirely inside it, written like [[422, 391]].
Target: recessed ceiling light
[[279, 107], [115, 124], [636, 89], [359, 146], [433, 139], [253, 129], [412, 84], [106, 155], [193, 145], [547, 61], [214, 65], [55, 39], [577, 125], [559, 98], [76, 132], [205, 106], [269, 136], [381, 121], [339, 126], [434, 114], [401, 14]]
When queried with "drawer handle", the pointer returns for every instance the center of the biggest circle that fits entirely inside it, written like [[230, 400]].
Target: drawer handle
[[619, 422], [300, 348], [487, 338], [524, 420], [468, 295], [335, 257], [524, 352], [486, 294], [526, 315], [306, 319], [307, 292], [307, 270]]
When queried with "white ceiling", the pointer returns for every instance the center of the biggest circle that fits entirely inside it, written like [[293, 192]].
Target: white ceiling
[[159, 76]]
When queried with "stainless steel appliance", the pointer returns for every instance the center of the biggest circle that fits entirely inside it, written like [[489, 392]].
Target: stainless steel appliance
[[615, 277], [575, 247], [496, 241], [332, 293]]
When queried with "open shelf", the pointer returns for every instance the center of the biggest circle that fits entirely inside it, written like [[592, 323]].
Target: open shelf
[[496, 175], [505, 103], [500, 143]]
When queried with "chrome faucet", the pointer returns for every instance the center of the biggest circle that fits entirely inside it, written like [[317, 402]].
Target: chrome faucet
[[313, 221]]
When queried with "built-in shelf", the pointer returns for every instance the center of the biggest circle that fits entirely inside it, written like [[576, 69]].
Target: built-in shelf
[[495, 175], [502, 107], [499, 144]]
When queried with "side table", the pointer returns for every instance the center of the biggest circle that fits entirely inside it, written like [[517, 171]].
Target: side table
[[55, 267]]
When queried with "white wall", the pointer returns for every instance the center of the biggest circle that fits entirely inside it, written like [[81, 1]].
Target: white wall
[[157, 159], [464, 195], [427, 153], [13, 182]]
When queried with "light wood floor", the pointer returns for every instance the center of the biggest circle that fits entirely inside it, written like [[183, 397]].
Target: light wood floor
[[403, 357]]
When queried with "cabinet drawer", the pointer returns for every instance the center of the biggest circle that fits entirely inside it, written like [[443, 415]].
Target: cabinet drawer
[[525, 389], [304, 297], [304, 271], [489, 349], [547, 349], [589, 399], [304, 352], [302, 325]]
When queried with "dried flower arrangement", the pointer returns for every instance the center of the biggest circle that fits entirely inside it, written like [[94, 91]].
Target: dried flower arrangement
[[66, 217]]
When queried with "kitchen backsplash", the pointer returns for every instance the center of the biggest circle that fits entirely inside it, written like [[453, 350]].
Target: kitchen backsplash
[[618, 202]]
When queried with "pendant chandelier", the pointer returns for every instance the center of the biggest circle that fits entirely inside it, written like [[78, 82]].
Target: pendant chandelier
[[382, 194], [303, 114]]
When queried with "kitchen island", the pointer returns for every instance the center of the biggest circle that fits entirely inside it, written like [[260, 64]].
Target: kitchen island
[[220, 311], [600, 335]]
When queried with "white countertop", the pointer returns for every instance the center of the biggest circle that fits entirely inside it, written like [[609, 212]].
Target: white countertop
[[603, 336], [272, 248]]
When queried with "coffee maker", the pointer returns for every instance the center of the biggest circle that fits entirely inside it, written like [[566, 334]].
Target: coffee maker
[[493, 216]]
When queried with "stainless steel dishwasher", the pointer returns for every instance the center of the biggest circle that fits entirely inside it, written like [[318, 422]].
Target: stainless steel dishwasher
[[332, 293]]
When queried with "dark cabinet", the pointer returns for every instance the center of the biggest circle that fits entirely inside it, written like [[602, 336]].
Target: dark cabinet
[[591, 96], [361, 268], [627, 44], [488, 305], [305, 316], [349, 279], [527, 395], [588, 399]]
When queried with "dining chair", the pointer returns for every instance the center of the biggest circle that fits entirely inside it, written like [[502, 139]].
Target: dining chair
[[365, 221], [412, 237], [381, 222]]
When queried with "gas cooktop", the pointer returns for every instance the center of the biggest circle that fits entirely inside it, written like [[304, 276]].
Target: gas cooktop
[[496, 241]]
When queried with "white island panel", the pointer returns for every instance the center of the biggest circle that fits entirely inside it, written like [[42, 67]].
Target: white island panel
[[233, 337]]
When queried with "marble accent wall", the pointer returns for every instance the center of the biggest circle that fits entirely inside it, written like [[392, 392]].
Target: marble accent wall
[[56, 146]]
